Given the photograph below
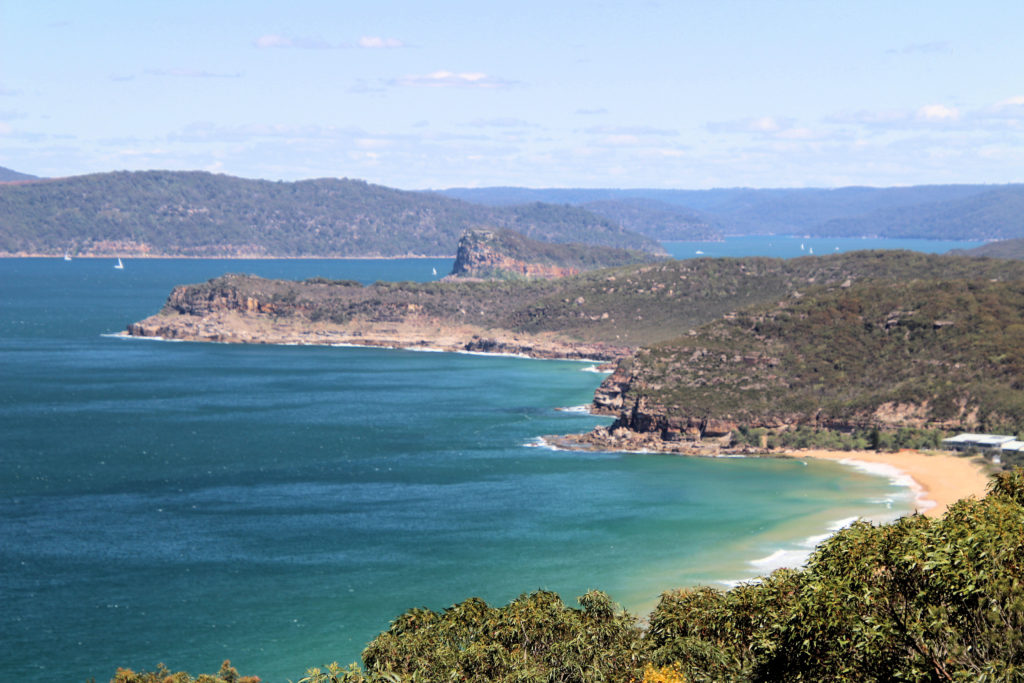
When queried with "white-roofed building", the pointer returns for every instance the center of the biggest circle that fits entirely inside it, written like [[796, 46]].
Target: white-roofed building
[[980, 442]]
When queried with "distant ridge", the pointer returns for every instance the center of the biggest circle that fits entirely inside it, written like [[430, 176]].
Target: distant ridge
[[7, 175], [192, 213], [923, 211], [1005, 249]]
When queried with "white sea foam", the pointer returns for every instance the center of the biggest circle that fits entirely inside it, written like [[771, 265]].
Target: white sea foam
[[594, 368], [794, 556], [575, 409], [541, 442], [896, 477], [783, 557], [493, 353], [121, 335]]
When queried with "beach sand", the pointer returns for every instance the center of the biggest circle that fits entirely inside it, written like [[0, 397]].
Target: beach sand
[[939, 480]]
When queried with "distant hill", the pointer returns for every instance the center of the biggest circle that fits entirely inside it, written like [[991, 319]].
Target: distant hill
[[658, 219], [1008, 249], [997, 213], [507, 254], [202, 214], [971, 211], [7, 176]]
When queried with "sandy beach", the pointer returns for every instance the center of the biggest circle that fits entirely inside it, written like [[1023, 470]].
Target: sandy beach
[[939, 479]]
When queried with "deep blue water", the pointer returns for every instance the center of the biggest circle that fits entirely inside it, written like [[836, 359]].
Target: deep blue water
[[187, 503]]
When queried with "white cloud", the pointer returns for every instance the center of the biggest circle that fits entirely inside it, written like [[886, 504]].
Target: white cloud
[[507, 122], [5, 128], [635, 131], [190, 73], [935, 47], [448, 79], [272, 40], [1017, 101], [209, 132], [375, 42], [275, 40], [937, 112], [760, 124]]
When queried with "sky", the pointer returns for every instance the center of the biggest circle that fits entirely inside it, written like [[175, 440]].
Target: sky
[[573, 93]]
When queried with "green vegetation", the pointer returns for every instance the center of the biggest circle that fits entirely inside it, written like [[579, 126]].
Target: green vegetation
[[631, 305], [201, 214], [921, 599], [227, 674], [944, 354]]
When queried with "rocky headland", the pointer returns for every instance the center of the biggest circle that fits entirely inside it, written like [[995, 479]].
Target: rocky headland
[[249, 310], [706, 351]]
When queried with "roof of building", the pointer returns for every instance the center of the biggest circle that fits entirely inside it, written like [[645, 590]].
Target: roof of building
[[981, 440]]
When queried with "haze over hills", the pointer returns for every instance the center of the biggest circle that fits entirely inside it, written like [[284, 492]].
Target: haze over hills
[[966, 211], [195, 213]]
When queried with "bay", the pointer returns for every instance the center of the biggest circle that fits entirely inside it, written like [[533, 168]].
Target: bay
[[188, 503], [793, 246]]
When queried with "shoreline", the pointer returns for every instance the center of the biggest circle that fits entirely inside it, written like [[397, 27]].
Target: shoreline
[[251, 257], [937, 480], [418, 333]]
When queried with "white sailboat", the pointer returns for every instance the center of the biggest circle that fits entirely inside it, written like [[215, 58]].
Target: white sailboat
[[67, 256], [119, 265], [435, 271]]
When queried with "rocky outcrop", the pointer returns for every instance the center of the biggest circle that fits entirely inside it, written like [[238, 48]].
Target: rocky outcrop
[[494, 253], [487, 253]]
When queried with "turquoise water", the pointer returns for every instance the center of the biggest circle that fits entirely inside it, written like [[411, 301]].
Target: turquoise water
[[277, 506], [788, 246]]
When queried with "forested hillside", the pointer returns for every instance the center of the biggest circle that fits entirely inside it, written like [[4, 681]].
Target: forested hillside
[[936, 353], [201, 214], [657, 219]]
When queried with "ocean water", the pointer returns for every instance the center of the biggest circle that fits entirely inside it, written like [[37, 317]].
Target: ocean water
[[279, 505], [789, 246]]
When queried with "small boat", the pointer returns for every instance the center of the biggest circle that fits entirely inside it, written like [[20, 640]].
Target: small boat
[[67, 256], [119, 265], [700, 253], [435, 271], [811, 251]]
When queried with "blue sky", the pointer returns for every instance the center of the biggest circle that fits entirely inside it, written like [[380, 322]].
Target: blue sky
[[423, 95]]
